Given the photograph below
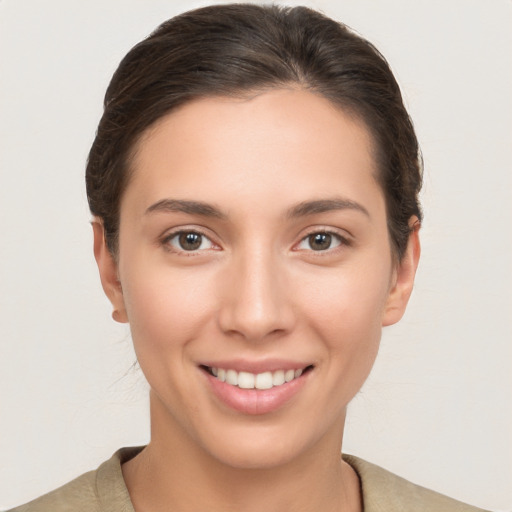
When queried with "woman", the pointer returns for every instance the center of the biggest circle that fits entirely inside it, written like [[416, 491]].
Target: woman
[[254, 185]]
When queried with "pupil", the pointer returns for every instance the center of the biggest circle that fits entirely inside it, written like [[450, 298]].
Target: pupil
[[190, 241], [320, 241]]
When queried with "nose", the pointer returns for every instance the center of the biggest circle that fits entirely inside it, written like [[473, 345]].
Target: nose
[[256, 304]]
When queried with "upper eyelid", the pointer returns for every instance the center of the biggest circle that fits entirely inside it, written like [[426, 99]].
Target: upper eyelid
[[170, 233], [341, 233]]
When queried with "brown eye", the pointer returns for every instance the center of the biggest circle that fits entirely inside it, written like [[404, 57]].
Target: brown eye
[[321, 241], [188, 241]]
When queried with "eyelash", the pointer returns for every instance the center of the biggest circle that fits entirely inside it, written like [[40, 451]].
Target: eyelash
[[166, 242]]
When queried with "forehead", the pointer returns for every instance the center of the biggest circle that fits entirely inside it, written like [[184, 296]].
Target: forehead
[[279, 146]]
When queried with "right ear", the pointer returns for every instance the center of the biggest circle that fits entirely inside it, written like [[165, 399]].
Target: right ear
[[107, 267]]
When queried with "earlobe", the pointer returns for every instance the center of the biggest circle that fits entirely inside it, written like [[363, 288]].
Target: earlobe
[[404, 278], [107, 267]]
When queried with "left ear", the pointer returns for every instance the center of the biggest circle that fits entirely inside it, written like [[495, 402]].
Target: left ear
[[403, 281]]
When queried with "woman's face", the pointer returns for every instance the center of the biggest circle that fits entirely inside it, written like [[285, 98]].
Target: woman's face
[[253, 243]]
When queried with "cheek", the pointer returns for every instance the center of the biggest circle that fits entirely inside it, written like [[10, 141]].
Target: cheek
[[166, 308], [345, 312], [349, 298]]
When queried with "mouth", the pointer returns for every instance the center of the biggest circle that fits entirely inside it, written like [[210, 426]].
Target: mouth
[[261, 381]]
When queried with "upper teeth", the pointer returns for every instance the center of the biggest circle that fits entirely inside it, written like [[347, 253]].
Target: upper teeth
[[246, 380]]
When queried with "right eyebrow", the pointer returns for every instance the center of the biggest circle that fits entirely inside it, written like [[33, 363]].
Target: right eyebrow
[[184, 206]]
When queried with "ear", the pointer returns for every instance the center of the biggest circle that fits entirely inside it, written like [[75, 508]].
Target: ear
[[107, 267], [403, 279]]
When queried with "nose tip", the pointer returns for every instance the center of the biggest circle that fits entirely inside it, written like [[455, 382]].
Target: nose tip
[[256, 304]]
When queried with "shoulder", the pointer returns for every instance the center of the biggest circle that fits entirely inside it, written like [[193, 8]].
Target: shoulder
[[384, 491], [66, 498], [102, 490]]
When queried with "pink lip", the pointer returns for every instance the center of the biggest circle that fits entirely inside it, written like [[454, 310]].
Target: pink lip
[[255, 401]]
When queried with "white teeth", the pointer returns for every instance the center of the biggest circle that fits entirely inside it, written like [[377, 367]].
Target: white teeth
[[263, 380], [278, 378], [247, 380], [232, 377], [289, 375]]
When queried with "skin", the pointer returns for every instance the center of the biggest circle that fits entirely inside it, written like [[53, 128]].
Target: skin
[[255, 290]]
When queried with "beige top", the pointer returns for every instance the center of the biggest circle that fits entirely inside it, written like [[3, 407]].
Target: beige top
[[104, 490]]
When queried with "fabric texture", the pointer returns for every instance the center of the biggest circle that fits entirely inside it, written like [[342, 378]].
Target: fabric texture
[[104, 490]]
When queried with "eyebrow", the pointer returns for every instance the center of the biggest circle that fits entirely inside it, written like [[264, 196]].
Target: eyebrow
[[190, 207], [325, 205], [300, 210]]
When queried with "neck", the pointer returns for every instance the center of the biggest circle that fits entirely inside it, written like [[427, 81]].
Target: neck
[[174, 473]]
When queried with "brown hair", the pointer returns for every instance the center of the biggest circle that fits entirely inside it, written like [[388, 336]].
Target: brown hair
[[233, 50]]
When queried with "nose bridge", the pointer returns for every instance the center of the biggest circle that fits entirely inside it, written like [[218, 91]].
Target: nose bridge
[[257, 303]]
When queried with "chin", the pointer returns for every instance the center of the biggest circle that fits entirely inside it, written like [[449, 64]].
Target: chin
[[262, 448], [255, 457]]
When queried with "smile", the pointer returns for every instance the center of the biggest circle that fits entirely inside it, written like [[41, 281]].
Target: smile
[[264, 380]]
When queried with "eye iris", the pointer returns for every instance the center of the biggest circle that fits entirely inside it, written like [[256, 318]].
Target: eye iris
[[190, 241], [320, 241]]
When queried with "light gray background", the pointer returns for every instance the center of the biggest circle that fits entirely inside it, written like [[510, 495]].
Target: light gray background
[[437, 408]]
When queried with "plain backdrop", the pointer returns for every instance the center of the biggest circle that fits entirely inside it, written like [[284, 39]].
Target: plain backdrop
[[437, 408]]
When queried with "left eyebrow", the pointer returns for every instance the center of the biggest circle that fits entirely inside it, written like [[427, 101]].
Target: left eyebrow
[[325, 205]]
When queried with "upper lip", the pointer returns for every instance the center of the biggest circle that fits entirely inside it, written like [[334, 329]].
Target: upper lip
[[267, 365]]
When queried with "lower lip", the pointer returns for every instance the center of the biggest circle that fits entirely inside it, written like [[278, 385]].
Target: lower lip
[[256, 401]]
